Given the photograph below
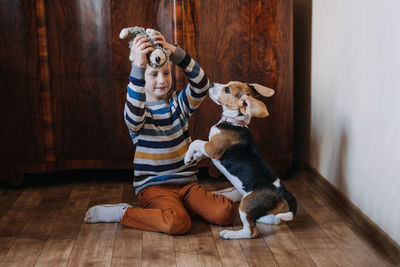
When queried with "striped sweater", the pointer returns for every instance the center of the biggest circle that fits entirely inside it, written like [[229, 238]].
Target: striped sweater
[[160, 130]]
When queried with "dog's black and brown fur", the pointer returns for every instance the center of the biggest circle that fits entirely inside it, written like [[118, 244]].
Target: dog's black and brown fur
[[234, 153]]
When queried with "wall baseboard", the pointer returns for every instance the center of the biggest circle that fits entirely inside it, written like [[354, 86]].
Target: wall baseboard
[[375, 233]]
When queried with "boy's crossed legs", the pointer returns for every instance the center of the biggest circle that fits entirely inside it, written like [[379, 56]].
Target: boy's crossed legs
[[167, 208]]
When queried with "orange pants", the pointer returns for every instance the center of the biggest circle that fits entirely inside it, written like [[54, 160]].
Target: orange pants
[[167, 208]]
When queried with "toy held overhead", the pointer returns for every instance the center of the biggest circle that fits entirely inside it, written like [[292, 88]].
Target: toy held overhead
[[156, 58]]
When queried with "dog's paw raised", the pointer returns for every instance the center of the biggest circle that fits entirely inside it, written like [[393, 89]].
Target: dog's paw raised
[[188, 158], [197, 156], [193, 157]]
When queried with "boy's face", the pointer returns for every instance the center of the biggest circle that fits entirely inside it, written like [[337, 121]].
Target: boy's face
[[158, 82]]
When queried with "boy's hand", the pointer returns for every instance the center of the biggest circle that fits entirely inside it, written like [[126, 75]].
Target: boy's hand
[[140, 47], [161, 41]]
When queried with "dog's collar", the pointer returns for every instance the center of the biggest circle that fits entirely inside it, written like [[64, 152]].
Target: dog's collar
[[234, 121]]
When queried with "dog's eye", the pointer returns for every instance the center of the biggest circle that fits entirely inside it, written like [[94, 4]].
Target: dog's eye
[[227, 90]]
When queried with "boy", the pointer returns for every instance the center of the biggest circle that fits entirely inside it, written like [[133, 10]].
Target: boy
[[158, 124]]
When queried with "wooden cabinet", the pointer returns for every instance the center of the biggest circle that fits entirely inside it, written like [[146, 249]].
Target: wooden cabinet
[[64, 73], [21, 130], [248, 41]]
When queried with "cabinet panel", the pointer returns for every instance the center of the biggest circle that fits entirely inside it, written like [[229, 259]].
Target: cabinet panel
[[79, 47], [272, 65], [64, 73], [89, 73], [250, 43], [21, 131]]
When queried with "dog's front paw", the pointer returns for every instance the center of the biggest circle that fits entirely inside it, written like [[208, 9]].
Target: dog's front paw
[[197, 157], [188, 158], [193, 158], [189, 155], [227, 234], [193, 155]]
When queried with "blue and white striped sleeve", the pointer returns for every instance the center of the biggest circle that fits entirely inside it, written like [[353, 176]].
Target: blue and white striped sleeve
[[193, 94], [134, 111]]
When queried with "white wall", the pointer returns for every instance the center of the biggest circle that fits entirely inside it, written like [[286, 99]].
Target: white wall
[[355, 104]]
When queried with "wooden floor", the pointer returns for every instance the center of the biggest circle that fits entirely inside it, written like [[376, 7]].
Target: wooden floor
[[41, 225]]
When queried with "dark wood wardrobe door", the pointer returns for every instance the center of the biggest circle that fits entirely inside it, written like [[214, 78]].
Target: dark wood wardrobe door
[[249, 43], [21, 130]]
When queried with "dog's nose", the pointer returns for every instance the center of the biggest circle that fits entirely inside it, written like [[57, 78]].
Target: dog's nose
[[158, 59]]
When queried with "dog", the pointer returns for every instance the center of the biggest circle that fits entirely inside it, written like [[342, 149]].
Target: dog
[[232, 150]]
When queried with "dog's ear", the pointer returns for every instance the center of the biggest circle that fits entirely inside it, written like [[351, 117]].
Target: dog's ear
[[252, 107], [262, 90]]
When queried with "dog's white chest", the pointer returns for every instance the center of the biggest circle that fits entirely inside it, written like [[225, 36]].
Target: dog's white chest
[[235, 181], [213, 131]]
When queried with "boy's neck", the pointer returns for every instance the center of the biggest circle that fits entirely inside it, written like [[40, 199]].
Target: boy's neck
[[153, 101]]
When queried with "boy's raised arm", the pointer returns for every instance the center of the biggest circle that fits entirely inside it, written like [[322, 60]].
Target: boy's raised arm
[[194, 93], [134, 111]]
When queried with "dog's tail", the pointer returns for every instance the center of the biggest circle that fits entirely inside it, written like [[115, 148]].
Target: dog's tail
[[289, 198]]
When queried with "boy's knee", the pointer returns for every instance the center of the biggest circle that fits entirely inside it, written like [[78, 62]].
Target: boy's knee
[[226, 214], [177, 223]]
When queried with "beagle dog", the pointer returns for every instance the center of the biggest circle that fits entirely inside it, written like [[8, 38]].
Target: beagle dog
[[233, 152]]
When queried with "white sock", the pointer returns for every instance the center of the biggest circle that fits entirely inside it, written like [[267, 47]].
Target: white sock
[[106, 213]]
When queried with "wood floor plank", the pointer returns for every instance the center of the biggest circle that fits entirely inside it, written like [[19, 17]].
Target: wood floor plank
[[127, 247], [95, 242], [7, 199], [107, 192], [308, 232], [42, 225], [16, 217], [321, 248], [28, 245], [78, 200], [197, 247], [28, 200], [94, 245], [30, 241], [285, 247], [230, 251], [13, 222], [58, 248], [353, 247], [69, 222], [257, 252], [344, 233], [55, 252], [54, 199], [5, 245], [352, 244], [11, 225], [158, 249], [18, 253]]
